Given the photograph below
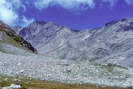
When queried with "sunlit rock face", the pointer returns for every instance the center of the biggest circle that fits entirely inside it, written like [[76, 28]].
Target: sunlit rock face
[[112, 43]]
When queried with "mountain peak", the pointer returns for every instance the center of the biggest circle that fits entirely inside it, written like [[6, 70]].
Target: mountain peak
[[39, 22]]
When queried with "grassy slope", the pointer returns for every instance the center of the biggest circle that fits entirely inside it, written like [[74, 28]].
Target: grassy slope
[[37, 84]]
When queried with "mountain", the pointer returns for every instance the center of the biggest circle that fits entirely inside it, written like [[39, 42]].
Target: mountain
[[65, 54], [10, 42], [112, 43]]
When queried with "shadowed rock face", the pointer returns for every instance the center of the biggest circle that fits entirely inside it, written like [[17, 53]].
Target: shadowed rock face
[[8, 36], [112, 43]]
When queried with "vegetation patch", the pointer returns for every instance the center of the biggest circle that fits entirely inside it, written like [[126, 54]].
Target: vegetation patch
[[27, 83]]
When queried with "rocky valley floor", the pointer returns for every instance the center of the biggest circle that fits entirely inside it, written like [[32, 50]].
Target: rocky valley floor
[[65, 71]]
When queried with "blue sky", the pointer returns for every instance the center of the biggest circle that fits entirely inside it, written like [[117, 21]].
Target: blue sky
[[76, 14]]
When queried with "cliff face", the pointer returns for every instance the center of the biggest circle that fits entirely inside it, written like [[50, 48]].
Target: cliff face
[[9, 38]]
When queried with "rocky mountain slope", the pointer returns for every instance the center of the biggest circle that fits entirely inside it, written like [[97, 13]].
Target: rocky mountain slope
[[71, 54], [112, 43], [10, 42]]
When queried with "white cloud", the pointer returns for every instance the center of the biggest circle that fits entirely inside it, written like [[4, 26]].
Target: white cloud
[[64, 3], [111, 2], [75, 4], [26, 21], [129, 1], [7, 13], [17, 4]]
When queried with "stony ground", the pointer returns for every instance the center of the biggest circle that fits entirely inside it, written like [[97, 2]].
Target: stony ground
[[66, 71], [27, 83]]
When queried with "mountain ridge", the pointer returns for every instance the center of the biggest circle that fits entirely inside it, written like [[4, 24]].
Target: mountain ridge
[[97, 45]]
